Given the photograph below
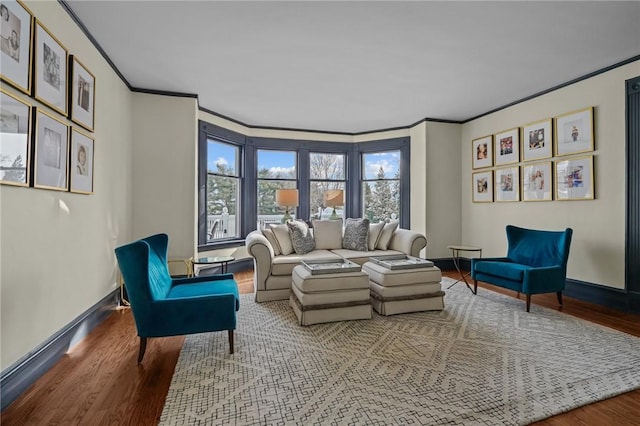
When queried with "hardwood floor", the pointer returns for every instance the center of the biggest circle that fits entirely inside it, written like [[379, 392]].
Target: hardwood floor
[[98, 382]]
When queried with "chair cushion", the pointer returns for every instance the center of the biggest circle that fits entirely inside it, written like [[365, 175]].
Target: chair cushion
[[301, 237], [206, 288], [375, 230], [356, 234], [282, 235], [511, 271], [328, 234], [385, 236]]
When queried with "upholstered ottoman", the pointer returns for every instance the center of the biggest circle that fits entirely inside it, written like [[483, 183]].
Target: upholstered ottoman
[[404, 290], [324, 298]]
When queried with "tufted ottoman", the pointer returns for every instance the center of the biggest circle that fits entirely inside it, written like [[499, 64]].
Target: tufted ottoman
[[404, 290], [324, 298]]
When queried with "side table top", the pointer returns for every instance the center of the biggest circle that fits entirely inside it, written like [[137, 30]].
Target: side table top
[[213, 259], [464, 248]]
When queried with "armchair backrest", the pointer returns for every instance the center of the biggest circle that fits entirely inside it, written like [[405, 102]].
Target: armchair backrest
[[538, 248], [143, 264]]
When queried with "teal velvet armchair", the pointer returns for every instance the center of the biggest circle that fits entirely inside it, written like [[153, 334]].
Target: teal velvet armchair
[[536, 262], [166, 306]]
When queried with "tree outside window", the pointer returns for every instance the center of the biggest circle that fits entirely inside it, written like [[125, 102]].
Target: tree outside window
[[381, 186], [327, 172], [276, 170], [223, 185]]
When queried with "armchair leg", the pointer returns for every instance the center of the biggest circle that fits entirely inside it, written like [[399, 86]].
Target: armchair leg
[[143, 348], [475, 286], [559, 294], [528, 302], [230, 341]]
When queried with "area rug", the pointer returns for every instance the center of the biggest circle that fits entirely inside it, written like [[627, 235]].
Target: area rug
[[482, 360]]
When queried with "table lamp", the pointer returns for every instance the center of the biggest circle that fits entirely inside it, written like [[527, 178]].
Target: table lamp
[[334, 198], [286, 198]]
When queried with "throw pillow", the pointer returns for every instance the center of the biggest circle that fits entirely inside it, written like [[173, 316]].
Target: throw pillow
[[328, 234], [301, 237], [385, 235], [356, 234], [375, 230], [282, 236], [270, 236]]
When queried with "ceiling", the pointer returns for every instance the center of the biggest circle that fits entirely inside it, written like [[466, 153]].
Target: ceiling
[[359, 66]]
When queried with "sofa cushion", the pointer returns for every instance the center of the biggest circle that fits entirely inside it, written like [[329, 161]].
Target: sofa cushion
[[282, 235], [328, 234], [360, 257], [385, 236], [321, 283], [301, 237], [401, 277], [270, 236], [510, 271], [356, 234], [375, 230], [283, 265]]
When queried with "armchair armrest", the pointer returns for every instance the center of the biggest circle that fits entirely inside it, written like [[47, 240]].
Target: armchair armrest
[[408, 242], [544, 280]]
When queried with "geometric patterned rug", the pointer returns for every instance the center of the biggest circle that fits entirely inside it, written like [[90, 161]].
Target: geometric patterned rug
[[482, 360]]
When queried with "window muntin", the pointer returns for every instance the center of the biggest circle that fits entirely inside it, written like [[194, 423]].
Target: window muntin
[[381, 185], [327, 171], [276, 170], [223, 190]]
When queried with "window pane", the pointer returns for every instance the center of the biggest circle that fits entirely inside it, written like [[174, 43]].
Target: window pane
[[381, 200], [222, 207], [268, 212], [276, 164], [318, 206], [381, 165], [222, 158], [326, 166]]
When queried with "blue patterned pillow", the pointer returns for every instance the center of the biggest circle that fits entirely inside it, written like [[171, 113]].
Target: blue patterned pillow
[[356, 234], [301, 238]]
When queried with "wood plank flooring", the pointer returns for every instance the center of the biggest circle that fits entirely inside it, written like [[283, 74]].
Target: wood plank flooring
[[99, 382]]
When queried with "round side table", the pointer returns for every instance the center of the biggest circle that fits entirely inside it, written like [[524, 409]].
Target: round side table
[[455, 251], [223, 261]]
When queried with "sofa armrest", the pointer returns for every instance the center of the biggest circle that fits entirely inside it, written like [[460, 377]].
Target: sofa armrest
[[262, 252], [408, 242]]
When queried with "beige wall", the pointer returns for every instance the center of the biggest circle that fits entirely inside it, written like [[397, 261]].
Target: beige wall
[[598, 246], [56, 255]]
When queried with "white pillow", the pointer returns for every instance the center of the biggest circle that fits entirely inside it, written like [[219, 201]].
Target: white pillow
[[270, 236], [328, 234], [375, 231], [282, 236], [385, 235]]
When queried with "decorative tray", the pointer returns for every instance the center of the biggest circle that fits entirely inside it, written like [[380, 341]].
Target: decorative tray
[[330, 266], [401, 261]]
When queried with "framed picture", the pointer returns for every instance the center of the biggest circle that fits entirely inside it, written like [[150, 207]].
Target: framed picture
[[81, 163], [51, 152], [537, 182], [507, 146], [15, 137], [507, 183], [482, 152], [83, 91], [51, 70], [574, 132], [574, 179], [537, 140], [482, 187], [15, 45]]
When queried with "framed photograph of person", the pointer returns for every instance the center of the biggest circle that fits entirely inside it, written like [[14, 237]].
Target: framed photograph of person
[[83, 91], [51, 152], [575, 132], [482, 152], [574, 179], [15, 44], [537, 182], [15, 140], [506, 146], [81, 162], [50, 70], [537, 140], [482, 187], [507, 184]]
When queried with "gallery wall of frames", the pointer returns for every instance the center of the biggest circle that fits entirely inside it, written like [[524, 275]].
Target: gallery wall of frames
[[49, 145], [541, 161]]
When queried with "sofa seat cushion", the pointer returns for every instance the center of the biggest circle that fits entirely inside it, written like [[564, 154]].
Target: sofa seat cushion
[[360, 257], [510, 271], [284, 264]]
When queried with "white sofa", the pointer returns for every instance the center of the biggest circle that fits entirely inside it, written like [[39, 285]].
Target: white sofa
[[272, 273]]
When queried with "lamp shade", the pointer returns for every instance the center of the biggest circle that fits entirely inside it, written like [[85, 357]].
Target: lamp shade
[[287, 197], [334, 197]]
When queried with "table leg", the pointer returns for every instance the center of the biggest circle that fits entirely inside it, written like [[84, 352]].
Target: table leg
[[456, 263]]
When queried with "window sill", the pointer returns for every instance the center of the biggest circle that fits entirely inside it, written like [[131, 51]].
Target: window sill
[[232, 242]]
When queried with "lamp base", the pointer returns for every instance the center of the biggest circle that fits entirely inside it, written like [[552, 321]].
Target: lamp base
[[334, 215], [286, 217]]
